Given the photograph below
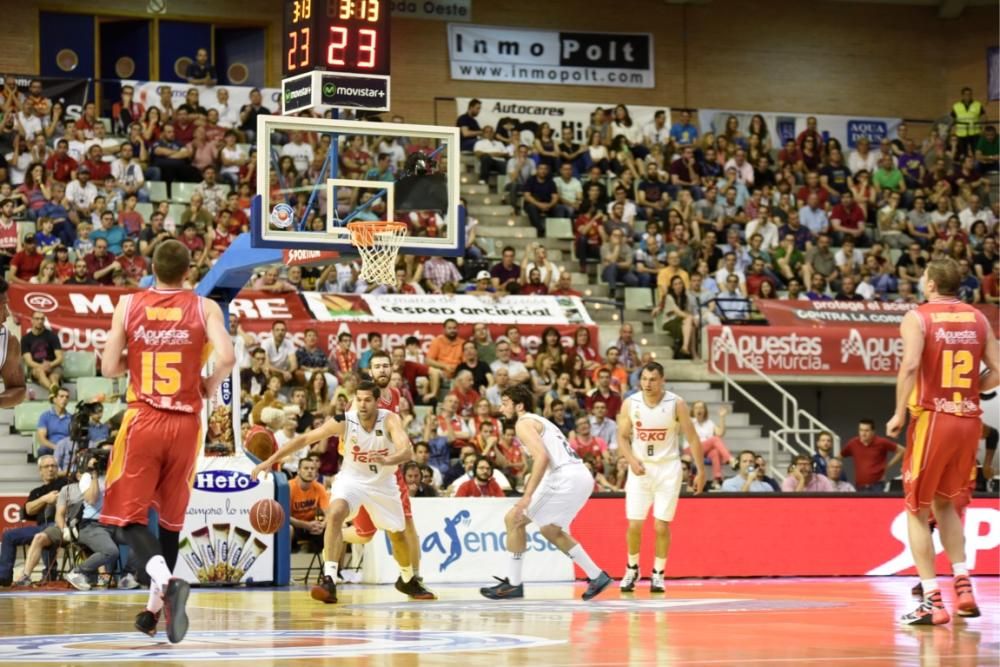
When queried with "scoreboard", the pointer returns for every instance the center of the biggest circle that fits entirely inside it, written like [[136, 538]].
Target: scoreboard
[[337, 36], [335, 45]]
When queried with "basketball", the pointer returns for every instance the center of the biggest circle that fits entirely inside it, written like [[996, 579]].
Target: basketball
[[266, 516]]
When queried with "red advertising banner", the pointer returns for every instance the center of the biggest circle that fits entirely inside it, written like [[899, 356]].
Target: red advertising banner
[[10, 511], [778, 536], [80, 316], [798, 350], [845, 313]]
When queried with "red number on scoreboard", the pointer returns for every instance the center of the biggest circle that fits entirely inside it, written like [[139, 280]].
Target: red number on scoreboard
[[368, 49], [338, 43]]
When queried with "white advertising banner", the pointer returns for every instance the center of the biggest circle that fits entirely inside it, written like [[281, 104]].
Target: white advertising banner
[[148, 94], [521, 55], [218, 545], [435, 309], [784, 126], [553, 113], [464, 540]]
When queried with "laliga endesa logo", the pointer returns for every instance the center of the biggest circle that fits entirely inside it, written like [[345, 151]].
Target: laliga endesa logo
[[876, 354], [282, 216], [41, 302], [223, 481], [463, 539]]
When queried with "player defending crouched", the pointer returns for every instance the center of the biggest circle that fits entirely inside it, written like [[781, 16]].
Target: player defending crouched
[[563, 486], [647, 438], [367, 479], [944, 341], [166, 332]]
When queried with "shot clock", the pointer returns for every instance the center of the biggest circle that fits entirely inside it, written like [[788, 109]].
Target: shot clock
[[348, 36]]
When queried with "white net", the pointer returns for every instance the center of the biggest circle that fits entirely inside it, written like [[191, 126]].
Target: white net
[[378, 244]]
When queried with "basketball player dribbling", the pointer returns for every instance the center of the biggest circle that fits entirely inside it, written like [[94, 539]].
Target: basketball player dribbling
[[556, 492], [944, 341], [648, 425], [375, 443], [161, 337], [363, 530]]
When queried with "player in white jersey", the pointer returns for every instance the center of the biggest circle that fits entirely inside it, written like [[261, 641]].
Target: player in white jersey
[[558, 488], [375, 443], [648, 426]]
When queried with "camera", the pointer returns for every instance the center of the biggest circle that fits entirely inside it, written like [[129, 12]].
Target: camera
[[98, 455], [79, 426]]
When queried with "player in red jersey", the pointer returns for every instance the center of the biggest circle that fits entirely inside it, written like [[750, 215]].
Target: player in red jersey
[[363, 529], [162, 337], [944, 341]]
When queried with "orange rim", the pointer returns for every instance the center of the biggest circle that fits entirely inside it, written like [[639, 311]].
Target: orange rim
[[363, 232]]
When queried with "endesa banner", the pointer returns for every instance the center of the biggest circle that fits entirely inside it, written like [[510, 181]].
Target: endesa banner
[[10, 511], [80, 316], [464, 540], [782, 535]]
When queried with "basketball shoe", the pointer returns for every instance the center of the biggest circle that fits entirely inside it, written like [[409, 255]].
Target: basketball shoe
[[656, 582], [966, 604], [174, 601], [597, 584], [628, 581], [145, 622], [325, 591], [415, 589], [503, 590], [930, 612]]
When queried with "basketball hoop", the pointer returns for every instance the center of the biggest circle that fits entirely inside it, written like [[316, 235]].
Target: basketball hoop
[[378, 244]]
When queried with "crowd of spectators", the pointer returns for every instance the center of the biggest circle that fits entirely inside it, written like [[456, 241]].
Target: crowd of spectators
[[743, 214], [463, 447]]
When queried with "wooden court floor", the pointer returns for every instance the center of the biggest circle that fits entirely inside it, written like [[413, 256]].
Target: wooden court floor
[[697, 622]]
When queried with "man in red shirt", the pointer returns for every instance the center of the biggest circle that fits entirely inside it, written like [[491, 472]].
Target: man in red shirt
[[870, 453], [848, 219], [345, 360], [757, 277], [88, 120], [412, 371], [465, 393], [482, 484], [603, 391], [25, 264], [587, 445], [131, 262], [101, 263], [60, 164], [812, 187], [564, 286]]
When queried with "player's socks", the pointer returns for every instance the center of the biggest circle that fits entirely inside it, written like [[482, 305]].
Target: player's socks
[[960, 569], [660, 565], [406, 573], [514, 567], [330, 569], [158, 571], [581, 558], [633, 560], [155, 602], [930, 586]]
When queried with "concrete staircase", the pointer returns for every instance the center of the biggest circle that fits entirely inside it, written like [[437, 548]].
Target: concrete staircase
[[17, 474]]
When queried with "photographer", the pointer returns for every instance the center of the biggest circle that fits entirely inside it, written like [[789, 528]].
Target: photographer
[[92, 534]]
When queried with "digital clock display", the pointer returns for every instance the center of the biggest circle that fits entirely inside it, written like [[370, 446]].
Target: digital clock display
[[336, 35]]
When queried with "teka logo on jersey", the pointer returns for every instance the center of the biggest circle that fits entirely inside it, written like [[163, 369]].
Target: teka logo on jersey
[[650, 434], [876, 354], [223, 481]]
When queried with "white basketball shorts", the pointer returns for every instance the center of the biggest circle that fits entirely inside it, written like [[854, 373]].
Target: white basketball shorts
[[660, 488], [561, 496], [381, 499]]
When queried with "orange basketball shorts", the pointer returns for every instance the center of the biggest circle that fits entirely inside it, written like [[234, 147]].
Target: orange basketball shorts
[[941, 450], [152, 465], [363, 525]]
